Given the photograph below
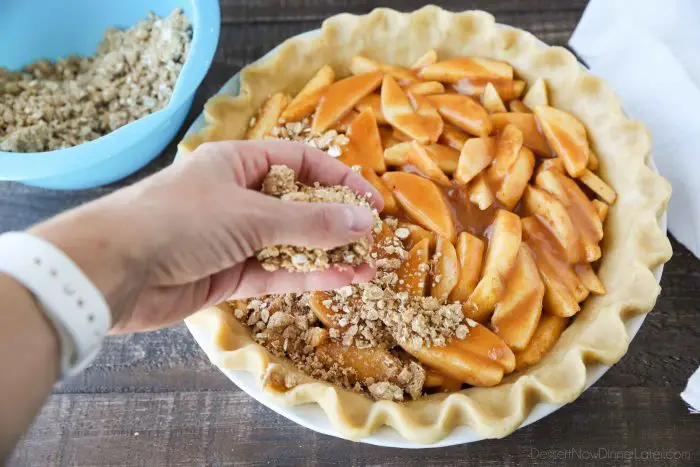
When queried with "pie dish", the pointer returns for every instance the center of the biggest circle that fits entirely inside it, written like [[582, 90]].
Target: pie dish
[[632, 245]]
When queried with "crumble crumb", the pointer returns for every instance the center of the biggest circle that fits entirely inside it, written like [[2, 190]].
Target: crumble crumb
[[330, 141], [386, 391], [280, 182], [402, 233]]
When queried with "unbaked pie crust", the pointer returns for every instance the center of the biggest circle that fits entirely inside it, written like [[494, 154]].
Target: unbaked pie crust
[[632, 247]]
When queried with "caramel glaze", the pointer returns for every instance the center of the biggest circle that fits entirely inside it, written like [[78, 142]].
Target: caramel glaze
[[465, 215]]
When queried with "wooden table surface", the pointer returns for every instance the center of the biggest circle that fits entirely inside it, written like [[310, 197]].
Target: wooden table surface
[[154, 399]]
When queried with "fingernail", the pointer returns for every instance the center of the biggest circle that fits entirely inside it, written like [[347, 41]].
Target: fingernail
[[359, 219]]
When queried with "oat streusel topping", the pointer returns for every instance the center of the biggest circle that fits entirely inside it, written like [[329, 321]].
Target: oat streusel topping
[[280, 182], [287, 327], [371, 316], [330, 141], [48, 106], [375, 315]]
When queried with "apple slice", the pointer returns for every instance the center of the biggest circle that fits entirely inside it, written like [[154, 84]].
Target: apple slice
[[387, 135], [343, 125], [361, 65], [453, 136], [507, 89], [516, 178], [480, 192], [426, 59], [444, 156], [425, 88], [536, 95], [526, 122], [451, 71], [593, 162], [518, 311], [567, 137], [563, 289], [517, 106], [554, 215], [397, 155], [364, 363], [423, 201], [581, 211], [341, 96], [480, 359], [483, 342], [462, 112], [554, 164], [391, 206], [419, 157], [413, 272], [398, 111], [268, 116], [438, 382], [305, 102], [400, 136], [501, 253], [470, 251], [445, 269], [429, 116], [601, 208], [374, 102], [491, 100], [508, 146], [476, 155], [588, 277], [546, 335], [598, 186], [365, 145]]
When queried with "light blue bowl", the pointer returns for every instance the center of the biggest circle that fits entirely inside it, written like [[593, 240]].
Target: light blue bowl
[[34, 29]]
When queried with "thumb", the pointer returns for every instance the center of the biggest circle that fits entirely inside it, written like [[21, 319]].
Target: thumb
[[314, 225]]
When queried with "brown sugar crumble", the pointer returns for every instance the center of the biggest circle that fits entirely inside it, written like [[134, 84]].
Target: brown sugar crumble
[[281, 183], [47, 106], [372, 316], [330, 141]]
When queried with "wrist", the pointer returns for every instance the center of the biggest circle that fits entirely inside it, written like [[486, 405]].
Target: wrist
[[23, 320], [100, 243]]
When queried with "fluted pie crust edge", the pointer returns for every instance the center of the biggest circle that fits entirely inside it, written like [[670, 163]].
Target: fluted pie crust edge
[[633, 244]]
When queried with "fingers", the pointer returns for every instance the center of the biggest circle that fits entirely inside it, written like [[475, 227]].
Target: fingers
[[310, 165], [313, 225], [254, 281]]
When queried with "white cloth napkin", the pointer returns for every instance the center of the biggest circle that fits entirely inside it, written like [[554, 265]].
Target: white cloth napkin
[[649, 52], [691, 395]]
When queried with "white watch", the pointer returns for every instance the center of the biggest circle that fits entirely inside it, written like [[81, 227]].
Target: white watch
[[68, 298]]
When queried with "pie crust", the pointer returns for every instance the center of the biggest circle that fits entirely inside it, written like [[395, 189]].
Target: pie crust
[[633, 244]]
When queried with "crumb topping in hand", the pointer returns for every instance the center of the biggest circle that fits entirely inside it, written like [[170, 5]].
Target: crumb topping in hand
[[280, 182]]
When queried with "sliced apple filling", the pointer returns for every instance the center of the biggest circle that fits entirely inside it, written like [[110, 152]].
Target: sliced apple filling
[[493, 218]]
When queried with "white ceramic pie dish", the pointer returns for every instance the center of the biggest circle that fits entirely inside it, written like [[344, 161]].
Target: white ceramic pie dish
[[313, 417]]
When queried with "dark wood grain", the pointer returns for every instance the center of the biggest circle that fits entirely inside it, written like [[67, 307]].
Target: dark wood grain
[[197, 428], [154, 399]]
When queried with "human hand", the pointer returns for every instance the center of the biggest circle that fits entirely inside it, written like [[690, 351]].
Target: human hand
[[184, 238]]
